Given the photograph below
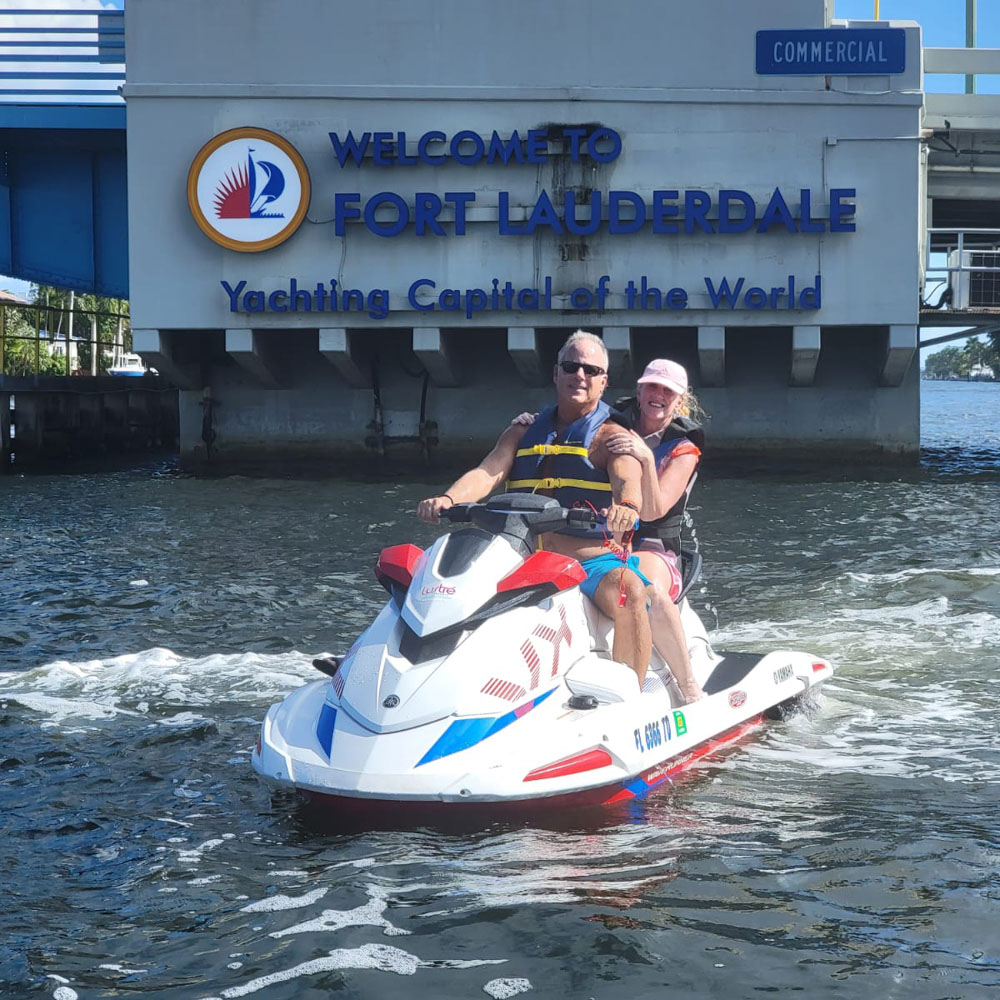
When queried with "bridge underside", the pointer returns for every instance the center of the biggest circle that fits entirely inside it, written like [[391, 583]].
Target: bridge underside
[[63, 207]]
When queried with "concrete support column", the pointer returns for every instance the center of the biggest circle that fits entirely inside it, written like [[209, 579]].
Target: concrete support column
[[249, 349], [5, 448], [522, 346], [338, 346], [618, 341], [432, 348], [900, 349], [805, 354], [712, 355], [157, 351], [30, 425]]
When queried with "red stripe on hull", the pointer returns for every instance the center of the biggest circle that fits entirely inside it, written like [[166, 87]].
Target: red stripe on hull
[[657, 775], [404, 811]]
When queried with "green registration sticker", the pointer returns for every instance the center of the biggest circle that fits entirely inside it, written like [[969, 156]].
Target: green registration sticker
[[680, 726]]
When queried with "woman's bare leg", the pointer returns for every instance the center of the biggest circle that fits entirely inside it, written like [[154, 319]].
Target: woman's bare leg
[[665, 622]]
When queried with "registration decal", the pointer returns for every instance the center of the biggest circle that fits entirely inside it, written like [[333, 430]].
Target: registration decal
[[656, 732]]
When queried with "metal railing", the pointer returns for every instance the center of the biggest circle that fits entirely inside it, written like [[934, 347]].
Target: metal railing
[[42, 340], [962, 269], [48, 56]]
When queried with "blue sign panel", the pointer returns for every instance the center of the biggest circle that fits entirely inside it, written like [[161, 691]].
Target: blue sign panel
[[831, 52]]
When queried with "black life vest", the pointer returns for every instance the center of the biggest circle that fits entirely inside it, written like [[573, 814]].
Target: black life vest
[[669, 527]]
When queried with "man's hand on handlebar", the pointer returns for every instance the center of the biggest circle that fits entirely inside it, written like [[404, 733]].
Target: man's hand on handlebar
[[430, 510], [619, 519]]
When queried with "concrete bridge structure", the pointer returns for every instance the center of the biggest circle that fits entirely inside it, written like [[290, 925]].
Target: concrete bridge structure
[[879, 187]]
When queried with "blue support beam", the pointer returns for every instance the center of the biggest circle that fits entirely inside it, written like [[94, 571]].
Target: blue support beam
[[63, 209], [63, 201]]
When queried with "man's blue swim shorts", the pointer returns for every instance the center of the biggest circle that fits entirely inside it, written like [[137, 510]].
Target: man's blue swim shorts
[[599, 567]]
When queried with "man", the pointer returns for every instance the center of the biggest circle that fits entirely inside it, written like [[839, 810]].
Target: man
[[564, 454]]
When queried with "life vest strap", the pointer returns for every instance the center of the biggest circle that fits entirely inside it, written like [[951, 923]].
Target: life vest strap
[[553, 449], [555, 484]]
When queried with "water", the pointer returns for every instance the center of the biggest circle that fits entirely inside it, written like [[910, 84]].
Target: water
[[148, 620]]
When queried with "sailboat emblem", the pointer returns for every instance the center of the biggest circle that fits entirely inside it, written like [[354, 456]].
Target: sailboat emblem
[[248, 189]]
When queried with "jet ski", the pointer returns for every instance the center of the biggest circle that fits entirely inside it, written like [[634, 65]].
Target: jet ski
[[487, 680]]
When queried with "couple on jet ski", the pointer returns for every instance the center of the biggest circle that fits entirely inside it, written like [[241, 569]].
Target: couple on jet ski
[[582, 452]]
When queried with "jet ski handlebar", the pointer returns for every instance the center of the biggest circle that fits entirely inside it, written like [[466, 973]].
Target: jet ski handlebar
[[519, 516]]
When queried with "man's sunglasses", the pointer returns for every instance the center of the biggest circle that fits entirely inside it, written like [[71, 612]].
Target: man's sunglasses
[[570, 368]]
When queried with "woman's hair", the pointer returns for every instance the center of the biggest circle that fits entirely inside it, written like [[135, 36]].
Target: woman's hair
[[690, 407]]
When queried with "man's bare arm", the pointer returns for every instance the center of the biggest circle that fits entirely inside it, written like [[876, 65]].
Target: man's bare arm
[[478, 482], [625, 473]]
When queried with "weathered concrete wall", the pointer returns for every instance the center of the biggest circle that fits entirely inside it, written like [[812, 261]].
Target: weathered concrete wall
[[107, 417], [845, 416], [4, 431], [692, 114]]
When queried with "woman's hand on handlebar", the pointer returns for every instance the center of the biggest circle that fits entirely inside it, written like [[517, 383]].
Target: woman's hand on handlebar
[[430, 510]]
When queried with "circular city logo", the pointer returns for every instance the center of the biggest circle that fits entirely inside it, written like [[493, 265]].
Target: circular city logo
[[391, 702], [248, 189]]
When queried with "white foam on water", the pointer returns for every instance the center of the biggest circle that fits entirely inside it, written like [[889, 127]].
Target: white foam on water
[[123, 969], [271, 904], [367, 915], [380, 957], [61, 710], [887, 635], [502, 989], [909, 574], [193, 856], [182, 719], [155, 684], [64, 993], [138, 583]]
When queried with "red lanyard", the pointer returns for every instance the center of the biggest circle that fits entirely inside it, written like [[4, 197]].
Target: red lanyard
[[623, 551]]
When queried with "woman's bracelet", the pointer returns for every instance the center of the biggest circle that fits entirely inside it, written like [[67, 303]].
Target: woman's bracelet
[[625, 503], [447, 496]]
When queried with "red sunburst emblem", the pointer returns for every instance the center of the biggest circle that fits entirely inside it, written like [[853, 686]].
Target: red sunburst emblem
[[232, 196]]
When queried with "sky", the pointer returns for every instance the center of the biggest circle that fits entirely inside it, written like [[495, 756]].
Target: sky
[[943, 23]]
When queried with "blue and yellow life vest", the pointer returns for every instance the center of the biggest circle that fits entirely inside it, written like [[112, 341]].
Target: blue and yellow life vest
[[569, 475]]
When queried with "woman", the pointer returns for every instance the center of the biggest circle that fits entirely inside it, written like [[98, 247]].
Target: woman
[[666, 445]]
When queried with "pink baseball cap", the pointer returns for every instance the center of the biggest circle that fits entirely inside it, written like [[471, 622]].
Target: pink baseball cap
[[666, 373]]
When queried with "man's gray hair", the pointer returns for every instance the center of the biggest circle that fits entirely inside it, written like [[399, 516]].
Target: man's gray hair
[[582, 337]]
